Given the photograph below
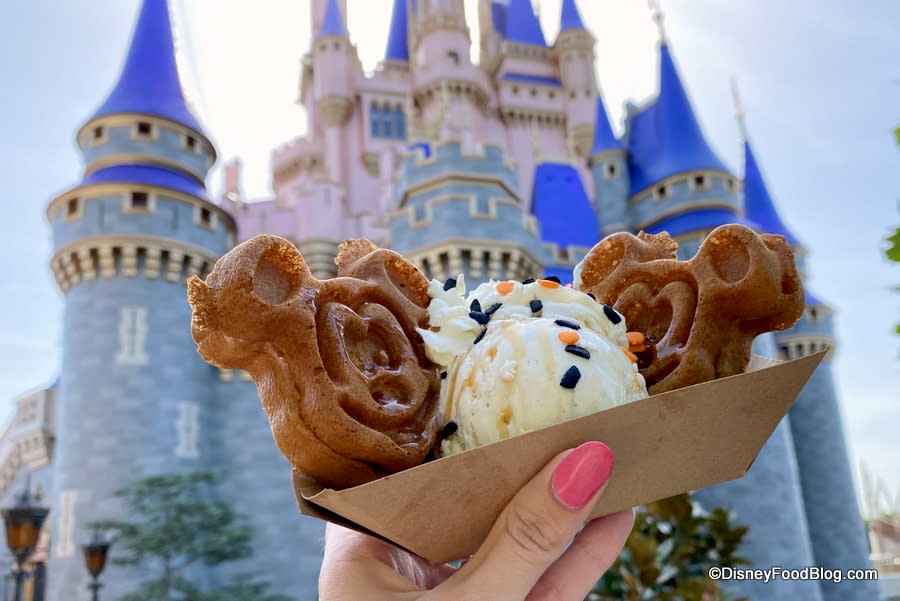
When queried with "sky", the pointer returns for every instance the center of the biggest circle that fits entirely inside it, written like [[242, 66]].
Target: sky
[[819, 83]]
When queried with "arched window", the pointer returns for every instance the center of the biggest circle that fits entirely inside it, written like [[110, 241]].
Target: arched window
[[400, 122], [387, 122], [375, 120]]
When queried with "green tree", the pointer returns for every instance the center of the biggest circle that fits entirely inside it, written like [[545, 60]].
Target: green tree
[[175, 523], [671, 547]]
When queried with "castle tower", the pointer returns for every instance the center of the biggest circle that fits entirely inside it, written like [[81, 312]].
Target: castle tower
[[836, 528], [574, 49], [335, 62], [133, 399], [530, 95], [452, 97], [677, 183], [459, 213], [609, 170]]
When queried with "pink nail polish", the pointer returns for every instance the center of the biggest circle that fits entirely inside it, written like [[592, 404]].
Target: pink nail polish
[[582, 473]]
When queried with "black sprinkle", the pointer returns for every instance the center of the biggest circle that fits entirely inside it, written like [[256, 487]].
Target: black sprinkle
[[480, 317], [480, 335], [536, 305], [528, 281], [443, 375], [570, 378], [493, 309], [592, 295], [567, 324], [475, 306], [449, 429], [553, 278], [578, 351], [611, 314], [449, 284]]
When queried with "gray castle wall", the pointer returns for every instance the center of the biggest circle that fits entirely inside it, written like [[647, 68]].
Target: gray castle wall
[[287, 546], [119, 422], [836, 530]]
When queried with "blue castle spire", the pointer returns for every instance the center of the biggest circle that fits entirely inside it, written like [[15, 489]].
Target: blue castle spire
[[332, 22], [398, 36], [522, 24], [149, 82], [604, 138], [570, 17], [666, 138], [758, 204]]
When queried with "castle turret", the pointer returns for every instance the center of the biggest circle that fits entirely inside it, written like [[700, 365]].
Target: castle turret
[[609, 168], [574, 49], [133, 395], [836, 528], [677, 183], [397, 48], [336, 64], [460, 213]]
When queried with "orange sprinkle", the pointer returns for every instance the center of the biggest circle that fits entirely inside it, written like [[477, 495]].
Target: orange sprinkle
[[631, 356], [504, 288], [568, 337], [548, 284], [635, 339], [639, 348]]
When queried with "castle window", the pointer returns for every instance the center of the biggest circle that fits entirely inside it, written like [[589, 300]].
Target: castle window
[[144, 128], [699, 182], [388, 122], [661, 193], [205, 216], [552, 95], [98, 132], [140, 200], [72, 207], [454, 57], [374, 120], [533, 92], [572, 94], [190, 142], [813, 314], [400, 123], [611, 170], [730, 184], [515, 89]]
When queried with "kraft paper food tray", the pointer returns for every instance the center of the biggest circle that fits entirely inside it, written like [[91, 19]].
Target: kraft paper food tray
[[665, 445]]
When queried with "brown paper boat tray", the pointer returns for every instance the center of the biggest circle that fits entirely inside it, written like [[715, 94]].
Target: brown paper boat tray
[[665, 445]]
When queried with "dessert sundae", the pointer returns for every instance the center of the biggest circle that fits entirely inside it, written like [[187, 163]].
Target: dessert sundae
[[369, 373]]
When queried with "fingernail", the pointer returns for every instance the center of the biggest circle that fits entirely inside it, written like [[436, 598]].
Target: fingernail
[[582, 473]]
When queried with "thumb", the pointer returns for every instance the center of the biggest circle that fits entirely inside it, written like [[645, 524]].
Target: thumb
[[538, 523]]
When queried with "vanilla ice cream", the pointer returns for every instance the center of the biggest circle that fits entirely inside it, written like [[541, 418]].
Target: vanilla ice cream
[[518, 356]]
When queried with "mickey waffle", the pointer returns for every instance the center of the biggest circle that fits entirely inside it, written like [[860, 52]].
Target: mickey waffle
[[341, 372], [698, 317]]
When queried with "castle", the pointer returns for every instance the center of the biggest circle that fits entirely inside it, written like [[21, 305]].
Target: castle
[[502, 169]]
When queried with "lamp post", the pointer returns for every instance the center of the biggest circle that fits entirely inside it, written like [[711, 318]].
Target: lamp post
[[95, 560], [23, 527]]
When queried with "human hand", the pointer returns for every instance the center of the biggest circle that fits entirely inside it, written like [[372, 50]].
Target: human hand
[[526, 556]]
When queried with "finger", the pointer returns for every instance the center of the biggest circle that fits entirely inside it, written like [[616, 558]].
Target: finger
[[592, 553], [538, 523]]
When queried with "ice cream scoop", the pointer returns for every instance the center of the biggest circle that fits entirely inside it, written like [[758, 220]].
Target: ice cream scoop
[[518, 356]]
